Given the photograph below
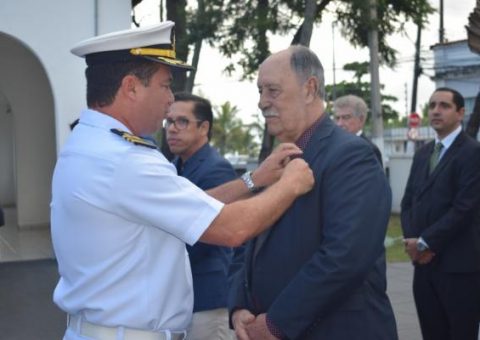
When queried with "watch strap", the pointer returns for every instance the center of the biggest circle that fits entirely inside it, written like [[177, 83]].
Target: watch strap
[[247, 179]]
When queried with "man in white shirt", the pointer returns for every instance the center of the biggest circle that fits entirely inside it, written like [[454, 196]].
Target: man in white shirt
[[121, 216]]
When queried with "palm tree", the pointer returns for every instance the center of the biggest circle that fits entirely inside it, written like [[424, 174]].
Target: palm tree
[[229, 134]]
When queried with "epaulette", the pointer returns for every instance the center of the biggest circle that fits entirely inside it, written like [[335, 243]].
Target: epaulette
[[134, 139]]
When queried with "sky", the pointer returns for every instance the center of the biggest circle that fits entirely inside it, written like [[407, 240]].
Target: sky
[[326, 42]]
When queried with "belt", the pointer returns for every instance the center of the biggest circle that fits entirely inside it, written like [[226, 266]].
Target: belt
[[98, 332]]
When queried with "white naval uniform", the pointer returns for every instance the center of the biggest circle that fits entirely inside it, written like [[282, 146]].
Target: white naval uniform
[[120, 219]]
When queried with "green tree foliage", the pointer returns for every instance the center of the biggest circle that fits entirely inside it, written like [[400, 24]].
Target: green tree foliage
[[392, 16], [230, 135], [241, 29], [193, 25], [362, 89], [251, 22]]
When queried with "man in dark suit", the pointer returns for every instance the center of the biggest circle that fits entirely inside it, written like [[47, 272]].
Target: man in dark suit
[[320, 273], [441, 224], [189, 128], [351, 114]]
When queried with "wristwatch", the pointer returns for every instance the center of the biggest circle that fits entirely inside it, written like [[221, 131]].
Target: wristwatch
[[247, 179], [421, 245]]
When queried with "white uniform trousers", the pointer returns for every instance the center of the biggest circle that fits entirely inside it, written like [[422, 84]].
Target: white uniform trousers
[[210, 325]]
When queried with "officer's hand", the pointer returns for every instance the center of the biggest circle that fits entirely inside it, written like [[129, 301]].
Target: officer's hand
[[298, 176], [240, 319], [272, 167]]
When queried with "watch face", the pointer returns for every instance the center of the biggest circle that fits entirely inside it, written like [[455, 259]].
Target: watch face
[[421, 246], [247, 179]]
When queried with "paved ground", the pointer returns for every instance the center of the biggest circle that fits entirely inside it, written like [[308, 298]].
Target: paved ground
[[400, 277], [27, 311], [29, 296], [26, 300]]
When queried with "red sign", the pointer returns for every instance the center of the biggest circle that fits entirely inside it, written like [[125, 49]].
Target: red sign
[[414, 120]]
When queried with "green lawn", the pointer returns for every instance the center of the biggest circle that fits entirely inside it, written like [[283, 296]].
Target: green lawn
[[393, 242]]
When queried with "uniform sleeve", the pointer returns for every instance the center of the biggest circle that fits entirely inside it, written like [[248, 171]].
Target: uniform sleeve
[[149, 192]]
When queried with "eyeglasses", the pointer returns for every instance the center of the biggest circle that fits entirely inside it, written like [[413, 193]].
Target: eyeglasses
[[180, 123]]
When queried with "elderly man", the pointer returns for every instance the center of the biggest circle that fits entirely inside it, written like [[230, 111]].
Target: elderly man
[[441, 224], [320, 272], [351, 114], [188, 126], [121, 216]]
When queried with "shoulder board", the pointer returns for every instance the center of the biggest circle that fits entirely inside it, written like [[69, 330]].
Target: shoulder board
[[134, 139]]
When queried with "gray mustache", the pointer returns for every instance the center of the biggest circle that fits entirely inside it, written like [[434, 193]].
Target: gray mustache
[[267, 114]]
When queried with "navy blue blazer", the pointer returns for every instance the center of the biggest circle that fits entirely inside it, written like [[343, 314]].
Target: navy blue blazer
[[375, 148], [208, 169], [320, 271], [444, 207]]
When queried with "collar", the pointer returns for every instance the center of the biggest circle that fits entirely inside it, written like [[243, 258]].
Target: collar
[[359, 133], [303, 140], [100, 120], [448, 140], [196, 157]]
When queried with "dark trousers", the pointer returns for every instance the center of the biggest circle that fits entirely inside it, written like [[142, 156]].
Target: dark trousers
[[448, 304]]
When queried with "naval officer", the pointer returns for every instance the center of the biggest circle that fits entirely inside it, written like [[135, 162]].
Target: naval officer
[[121, 216]]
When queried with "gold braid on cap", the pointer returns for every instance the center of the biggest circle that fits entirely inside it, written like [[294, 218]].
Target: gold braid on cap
[[157, 52]]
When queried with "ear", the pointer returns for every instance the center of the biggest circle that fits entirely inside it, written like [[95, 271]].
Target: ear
[[311, 88], [204, 126], [128, 86], [460, 114]]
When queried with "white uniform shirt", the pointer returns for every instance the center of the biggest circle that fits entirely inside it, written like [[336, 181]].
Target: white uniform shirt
[[120, 219]]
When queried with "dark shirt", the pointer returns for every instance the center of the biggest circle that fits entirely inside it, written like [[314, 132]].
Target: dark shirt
[[307, 134], [207, 169]]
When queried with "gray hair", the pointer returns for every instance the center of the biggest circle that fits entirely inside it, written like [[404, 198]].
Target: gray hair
[[356, 103], [306, 64]]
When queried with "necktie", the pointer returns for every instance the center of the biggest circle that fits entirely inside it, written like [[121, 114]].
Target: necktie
[[435, 157]]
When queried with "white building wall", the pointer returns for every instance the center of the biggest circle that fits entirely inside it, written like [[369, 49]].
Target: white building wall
[[50, 28], [43, 90], [399, 171]]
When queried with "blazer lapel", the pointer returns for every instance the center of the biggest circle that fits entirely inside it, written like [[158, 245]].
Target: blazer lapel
[[444, 161], [450, 153], [323, 131]]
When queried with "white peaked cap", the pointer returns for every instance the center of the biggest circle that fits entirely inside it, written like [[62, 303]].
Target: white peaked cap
[[154, 42]]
